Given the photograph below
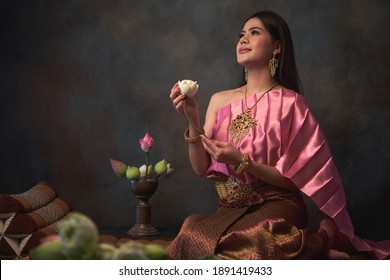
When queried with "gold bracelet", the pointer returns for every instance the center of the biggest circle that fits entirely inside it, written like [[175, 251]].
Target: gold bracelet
[[246, 160], [189, 139]]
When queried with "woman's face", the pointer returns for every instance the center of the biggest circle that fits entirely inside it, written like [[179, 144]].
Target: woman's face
[[256, 45]]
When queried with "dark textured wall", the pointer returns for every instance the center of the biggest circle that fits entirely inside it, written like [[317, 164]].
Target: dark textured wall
[[82, 81]]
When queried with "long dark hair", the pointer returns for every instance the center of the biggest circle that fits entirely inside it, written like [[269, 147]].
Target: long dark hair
[[286, 74]]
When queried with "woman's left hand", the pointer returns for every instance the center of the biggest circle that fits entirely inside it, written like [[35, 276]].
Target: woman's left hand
[[222, 152]]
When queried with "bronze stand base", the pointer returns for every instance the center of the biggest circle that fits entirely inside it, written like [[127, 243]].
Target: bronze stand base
[[143, 190], [140, 230]]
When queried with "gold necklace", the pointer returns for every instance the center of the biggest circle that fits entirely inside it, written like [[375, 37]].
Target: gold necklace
[[240, 126]]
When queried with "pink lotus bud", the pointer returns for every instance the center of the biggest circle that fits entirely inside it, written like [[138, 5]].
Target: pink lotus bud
[[118, 167], [50, 238], [146, 143]]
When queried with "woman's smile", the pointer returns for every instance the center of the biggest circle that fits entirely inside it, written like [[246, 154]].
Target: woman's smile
[[244, 50]]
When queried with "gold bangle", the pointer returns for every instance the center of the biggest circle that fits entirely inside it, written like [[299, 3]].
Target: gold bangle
[[189, 139], [246, 160]]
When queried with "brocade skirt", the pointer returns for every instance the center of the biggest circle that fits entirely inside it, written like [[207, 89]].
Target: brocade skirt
[[266, 222]]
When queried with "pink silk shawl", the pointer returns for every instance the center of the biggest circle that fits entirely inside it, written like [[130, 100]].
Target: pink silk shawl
[[288, 137]]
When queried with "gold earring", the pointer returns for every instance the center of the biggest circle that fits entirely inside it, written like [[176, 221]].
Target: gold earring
[[273, 65], [246, 74]]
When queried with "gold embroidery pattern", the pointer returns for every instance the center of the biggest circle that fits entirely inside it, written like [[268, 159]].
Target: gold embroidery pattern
[[240, 126], [236, 193]]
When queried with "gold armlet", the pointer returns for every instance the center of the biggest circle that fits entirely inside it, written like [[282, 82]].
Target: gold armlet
[[189, 139], [246, 160]]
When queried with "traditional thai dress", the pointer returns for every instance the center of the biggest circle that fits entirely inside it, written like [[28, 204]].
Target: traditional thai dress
[[255, 220]]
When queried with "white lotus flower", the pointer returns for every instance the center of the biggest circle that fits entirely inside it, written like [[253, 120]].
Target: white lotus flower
[[142, 170], [188, 87], [169, 170]]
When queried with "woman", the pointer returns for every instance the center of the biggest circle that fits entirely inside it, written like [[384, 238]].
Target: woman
[[262, 145]]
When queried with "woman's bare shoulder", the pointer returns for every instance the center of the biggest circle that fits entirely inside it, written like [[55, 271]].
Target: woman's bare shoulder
[[221, 98], [217, 101]]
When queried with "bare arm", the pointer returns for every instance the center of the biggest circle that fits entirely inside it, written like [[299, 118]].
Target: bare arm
[[199, 158], [226, 153]]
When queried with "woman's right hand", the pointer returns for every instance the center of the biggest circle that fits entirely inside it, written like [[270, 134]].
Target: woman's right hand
[[200, 159], [180, 100]]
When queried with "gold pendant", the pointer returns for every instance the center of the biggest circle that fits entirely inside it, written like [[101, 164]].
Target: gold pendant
[[240, 126]]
